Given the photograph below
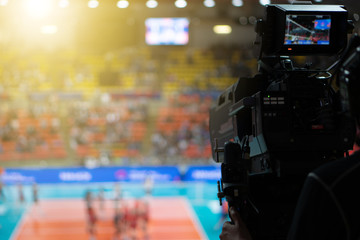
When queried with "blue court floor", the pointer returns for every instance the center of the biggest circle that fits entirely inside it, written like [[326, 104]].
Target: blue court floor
[[201, 196]]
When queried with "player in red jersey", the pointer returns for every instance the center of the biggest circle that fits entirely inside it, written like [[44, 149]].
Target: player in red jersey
[[118, 223], [144, 215], [91, 216], [127, 223], [133, 220]]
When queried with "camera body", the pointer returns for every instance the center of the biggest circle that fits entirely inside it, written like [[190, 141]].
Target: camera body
[[269, 131]]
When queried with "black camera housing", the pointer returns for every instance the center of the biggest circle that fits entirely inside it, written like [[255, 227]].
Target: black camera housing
[[269, 131]]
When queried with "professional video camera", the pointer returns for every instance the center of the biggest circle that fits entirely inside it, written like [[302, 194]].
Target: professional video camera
[[271, 130]]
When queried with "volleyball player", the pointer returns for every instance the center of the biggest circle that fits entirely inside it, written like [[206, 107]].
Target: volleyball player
[[91, 216], [35, 192], [21, 193], [148, 185], [144, 214], [101, 199], [118, 223], [2, 194]]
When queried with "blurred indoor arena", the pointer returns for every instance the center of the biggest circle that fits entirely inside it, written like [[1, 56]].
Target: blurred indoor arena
[[104, 114]]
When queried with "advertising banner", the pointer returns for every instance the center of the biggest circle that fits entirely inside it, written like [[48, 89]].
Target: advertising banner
[[203, 173], [85, 175]]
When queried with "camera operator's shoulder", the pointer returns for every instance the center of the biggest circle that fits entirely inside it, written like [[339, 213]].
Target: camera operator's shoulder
[[339, 170]]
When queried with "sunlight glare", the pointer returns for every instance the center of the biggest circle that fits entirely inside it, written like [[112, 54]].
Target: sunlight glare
[[38, 8]]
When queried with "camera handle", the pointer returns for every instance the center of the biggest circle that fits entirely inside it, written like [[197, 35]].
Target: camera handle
[[217, 150], [234, 183]]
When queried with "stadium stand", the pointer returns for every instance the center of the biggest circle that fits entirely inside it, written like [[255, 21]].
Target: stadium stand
[[32, 134], [182, 129], [125, 106]]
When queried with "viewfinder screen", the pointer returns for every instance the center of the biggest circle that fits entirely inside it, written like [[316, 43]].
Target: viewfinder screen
[[307, 30]]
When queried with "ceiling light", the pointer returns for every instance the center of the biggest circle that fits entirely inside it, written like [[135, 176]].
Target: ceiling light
[[222, 29], [63, 3], [237, 3], [252, 20], [3, 2], [122, 4], [209, 3], [264, 2], [151, 3], [243, 20], [38, 8], [180, 3], [93, 3]]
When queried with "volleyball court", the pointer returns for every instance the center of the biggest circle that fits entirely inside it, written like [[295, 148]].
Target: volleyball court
[[168, 218]]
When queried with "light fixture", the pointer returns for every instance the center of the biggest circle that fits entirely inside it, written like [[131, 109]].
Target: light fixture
[[209, 3], [63, 3], [3, 2], [93, 3], [38, 8], [243, 20], [252, 20], [222, 29], [237, 3], [122, 4], [264, 2], [180, 3], [151, 3]]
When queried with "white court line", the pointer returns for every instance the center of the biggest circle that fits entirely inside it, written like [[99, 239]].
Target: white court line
[[195, 219], [15, 233]]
